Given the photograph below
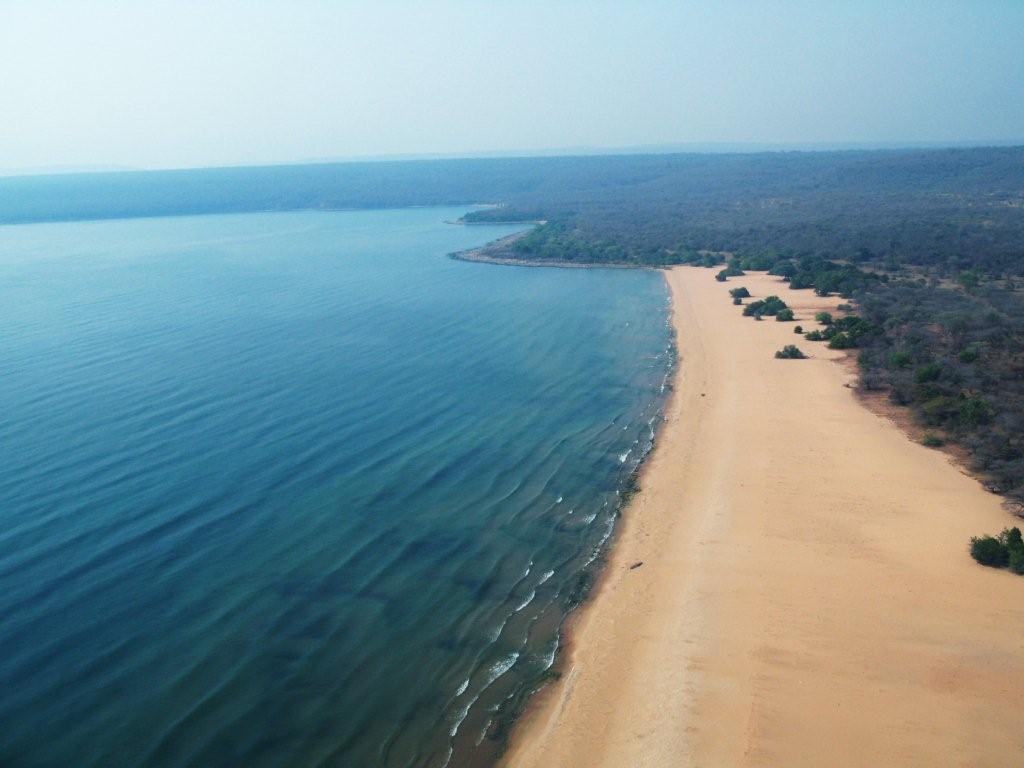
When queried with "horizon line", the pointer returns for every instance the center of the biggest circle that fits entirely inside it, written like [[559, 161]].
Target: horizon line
[[699, 148]]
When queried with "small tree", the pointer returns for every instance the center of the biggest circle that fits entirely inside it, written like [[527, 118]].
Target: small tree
[[825, 318], [739, 293], [785, 315], [798, 329]]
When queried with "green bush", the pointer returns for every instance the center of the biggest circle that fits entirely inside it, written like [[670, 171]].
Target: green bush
[[790, 352], [932, 440], [784, 315], [974, 412], [825, 318], [773, 305], [900, 359], [720, 277], [840, 341], [926, 373], [737, 300], [798, 329], [814, 336], [989, 551], [1001, 551], [739, 293], [970, 354], [1012, 538], [1017, 561]]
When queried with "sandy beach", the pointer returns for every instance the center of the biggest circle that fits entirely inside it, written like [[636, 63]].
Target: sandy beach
[[806, 597]]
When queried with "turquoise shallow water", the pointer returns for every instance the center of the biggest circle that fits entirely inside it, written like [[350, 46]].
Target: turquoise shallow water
[[296, 489]]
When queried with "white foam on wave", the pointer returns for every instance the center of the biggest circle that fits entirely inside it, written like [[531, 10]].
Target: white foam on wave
[[589, 518], [549, 657], [547, 575], [497, 669], [483, 733], [527, 601], [462, 688], [559, 500], [609, 527], [624, 456]]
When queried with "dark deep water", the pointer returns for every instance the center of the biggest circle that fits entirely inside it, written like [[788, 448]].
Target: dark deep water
[[294, 489]]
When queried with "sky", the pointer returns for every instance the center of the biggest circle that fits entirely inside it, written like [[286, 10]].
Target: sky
[[95, 84]]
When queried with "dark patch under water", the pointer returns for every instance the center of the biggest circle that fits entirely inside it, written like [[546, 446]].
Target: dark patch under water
[[296, 489]]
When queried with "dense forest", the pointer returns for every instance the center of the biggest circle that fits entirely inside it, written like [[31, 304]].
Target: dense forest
[[928, 244]]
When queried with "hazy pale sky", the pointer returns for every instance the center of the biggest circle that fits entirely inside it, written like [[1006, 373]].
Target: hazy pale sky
[[153, 84]]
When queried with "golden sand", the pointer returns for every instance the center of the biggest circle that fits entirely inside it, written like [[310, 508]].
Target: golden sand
[[806, 597]]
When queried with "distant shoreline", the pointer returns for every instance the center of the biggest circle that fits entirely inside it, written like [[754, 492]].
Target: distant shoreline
[[746, 614], [481, 255]]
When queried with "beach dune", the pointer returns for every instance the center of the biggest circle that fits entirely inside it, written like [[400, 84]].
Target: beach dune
[[806, 597]]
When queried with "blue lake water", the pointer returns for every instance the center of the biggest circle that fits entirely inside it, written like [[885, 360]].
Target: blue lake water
[[295, 489]]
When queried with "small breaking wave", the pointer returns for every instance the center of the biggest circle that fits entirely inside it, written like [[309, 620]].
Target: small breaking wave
[[526, 602]]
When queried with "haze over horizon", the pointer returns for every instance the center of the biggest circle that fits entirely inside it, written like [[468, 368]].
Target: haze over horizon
[[101, 84]]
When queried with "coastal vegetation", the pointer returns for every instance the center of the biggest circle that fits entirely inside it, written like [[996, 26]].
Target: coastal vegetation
[[1003, 551]]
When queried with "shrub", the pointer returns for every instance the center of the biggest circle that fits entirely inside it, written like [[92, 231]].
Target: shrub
[[989, 551], [754, 308], [926, 373], [798, 329], [1012, 538], [970, 354], [814, 336], [785, 315], [932, 440], [737, 300], [825, 318], [773, 305], [969, 279], [739, 293], [720, 277], [1001, 551], [840, 341], [974, 412], [1017, 561], [899, 359], [790, 352]]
